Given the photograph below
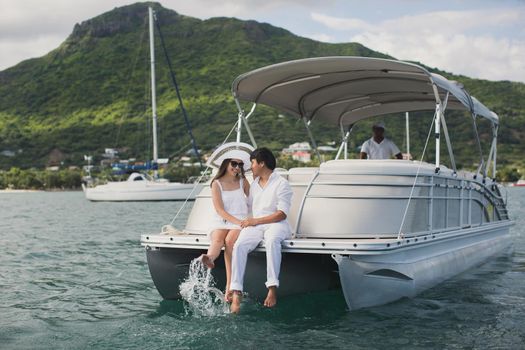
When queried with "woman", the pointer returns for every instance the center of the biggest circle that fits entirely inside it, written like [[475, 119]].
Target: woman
[[229, 191]]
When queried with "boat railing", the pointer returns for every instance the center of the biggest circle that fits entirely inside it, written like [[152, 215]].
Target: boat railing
[[470, 195], [438, 202]]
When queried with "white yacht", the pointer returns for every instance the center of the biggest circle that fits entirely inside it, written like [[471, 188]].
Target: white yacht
[[379, 230], [140, 187]]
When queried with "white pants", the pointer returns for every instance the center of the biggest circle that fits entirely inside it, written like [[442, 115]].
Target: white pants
[[249, 239]]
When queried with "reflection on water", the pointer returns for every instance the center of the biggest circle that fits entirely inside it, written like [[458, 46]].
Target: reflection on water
[[73, 275]]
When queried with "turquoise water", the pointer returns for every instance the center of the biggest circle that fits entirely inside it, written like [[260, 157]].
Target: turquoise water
[[73, 276]]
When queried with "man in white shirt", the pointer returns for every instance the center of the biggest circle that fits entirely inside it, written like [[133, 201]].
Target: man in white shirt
[[270, 198], [378, 146]]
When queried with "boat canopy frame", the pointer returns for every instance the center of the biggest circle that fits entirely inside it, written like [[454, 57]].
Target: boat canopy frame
[[344, 90]]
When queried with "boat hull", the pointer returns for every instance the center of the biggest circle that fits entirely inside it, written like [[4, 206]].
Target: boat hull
[[142, 192], [300, 273], [367, 277], [370, 280]]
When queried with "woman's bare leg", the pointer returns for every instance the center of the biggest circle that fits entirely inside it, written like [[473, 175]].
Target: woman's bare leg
[[216, 244], [228, 249]]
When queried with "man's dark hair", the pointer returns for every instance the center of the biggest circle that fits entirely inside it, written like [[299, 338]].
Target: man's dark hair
[[263, 154]]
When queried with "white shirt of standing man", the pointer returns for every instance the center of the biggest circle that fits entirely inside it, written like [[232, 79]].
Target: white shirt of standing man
[[385, 149], [378, 146]]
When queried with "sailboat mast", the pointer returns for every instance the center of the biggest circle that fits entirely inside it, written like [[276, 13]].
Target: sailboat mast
[[153, 93], [408, 134]]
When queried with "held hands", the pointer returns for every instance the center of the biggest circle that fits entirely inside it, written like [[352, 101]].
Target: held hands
[[249, 222]]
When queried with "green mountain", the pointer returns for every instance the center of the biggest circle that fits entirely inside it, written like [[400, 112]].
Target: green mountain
[[92, 91]]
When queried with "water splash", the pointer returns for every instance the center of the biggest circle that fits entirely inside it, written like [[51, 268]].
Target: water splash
[[199, 291]]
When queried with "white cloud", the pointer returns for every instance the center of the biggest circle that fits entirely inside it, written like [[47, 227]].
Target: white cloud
[[14, 51], [239, 8], [31, 28], [341, 23], [464, 42], [321, 37], [27, 25]]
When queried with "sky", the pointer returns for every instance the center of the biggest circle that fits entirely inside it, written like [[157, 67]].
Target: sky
[[478, 38]]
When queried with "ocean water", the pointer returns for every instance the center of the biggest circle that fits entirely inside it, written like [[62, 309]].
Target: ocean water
[[74, 276]]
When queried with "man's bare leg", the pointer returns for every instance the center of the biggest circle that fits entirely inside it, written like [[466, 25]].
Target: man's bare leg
[[235, 307], [271, 298]]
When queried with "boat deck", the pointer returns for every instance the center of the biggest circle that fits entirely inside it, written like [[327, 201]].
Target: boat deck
[[354, 246]]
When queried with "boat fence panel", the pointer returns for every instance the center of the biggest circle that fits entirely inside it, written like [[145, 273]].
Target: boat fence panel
[[466, 212], [371, 206], [416, 219], [298, 193]]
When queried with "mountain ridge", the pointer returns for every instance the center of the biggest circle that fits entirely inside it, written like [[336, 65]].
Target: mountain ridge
[[93, 86]]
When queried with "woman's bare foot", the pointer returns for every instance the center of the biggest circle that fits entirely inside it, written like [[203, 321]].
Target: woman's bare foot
[[235, 307], [228, 296], [271, 298], [207, 261]]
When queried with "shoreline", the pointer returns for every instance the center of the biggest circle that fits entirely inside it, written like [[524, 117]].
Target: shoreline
[[37, 191]]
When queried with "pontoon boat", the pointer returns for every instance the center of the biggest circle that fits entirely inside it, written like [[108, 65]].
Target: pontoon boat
[[378, 229]]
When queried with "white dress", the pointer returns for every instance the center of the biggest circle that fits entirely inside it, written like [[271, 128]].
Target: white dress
[[235, 203]]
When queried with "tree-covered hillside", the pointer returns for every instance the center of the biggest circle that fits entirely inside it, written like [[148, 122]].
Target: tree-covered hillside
[[92, 91]]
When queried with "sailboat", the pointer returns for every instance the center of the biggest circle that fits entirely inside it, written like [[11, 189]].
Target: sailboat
[[142, 187]]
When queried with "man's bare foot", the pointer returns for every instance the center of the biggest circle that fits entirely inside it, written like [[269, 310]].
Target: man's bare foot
[[228, 296], [271, 298], [235, 307], [207, 261]]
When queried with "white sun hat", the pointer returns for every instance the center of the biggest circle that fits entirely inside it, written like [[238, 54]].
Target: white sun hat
[[231, 150]]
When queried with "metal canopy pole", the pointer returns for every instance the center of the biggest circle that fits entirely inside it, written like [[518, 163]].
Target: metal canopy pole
[[249, 131], [495, 136], [346, 150], [437, 133], [447, 138], [481, 168], [239, 121], [242, 120], [251, 111], [437, 118], [314, 144], [489, 159], [408, 134], [492, 153], [344, 142]]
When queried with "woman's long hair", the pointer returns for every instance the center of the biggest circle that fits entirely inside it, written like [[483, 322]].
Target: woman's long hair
[[223, 168]]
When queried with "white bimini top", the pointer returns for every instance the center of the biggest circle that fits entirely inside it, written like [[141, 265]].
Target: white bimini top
[[383, 150]]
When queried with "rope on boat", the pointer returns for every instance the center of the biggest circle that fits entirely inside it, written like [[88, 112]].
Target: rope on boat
[[200, 178], [177, 90], [399, 234]]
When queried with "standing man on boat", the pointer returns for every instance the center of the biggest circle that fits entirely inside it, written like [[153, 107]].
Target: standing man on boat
[[378, 146], [270, 199]]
